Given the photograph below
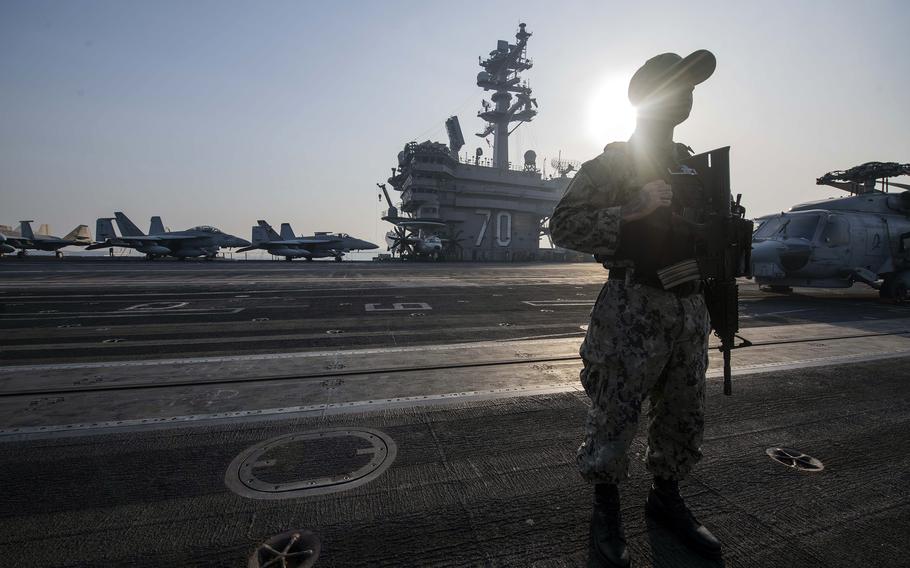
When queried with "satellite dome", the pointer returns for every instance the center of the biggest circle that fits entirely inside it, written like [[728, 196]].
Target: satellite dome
[[530, 157], [483, 77]]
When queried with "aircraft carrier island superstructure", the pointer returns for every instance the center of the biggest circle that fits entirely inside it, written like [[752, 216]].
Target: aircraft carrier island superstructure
[[469, 207]]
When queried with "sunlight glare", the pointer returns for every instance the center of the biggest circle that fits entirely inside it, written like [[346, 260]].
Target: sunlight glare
[[611, 117]]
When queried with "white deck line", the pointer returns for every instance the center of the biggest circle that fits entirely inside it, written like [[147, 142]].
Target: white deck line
[[264, 356], [895, 325], [53, 431]]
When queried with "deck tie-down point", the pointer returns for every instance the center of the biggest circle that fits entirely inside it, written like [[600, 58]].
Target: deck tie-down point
[[292, 549], [795, 459]]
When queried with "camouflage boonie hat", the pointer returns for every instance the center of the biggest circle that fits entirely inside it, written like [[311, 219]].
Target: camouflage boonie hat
[[668, 69]]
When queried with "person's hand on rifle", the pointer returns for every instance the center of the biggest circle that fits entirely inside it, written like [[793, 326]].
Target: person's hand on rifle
[[653, 195]]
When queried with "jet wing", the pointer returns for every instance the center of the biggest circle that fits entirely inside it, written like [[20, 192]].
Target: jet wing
[[138, 240], [163, 239], [105, 244], [160, 238], [296, 244], [305, 241]]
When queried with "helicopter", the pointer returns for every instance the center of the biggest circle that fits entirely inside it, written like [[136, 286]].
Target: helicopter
[[837, 242]]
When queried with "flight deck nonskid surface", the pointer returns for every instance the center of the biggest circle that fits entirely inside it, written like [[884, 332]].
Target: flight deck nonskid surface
[[117, 452]]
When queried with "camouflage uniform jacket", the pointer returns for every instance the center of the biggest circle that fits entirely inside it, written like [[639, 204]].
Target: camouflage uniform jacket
[[588, 217]]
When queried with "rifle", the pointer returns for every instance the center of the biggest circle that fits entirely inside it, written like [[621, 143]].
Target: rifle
[[703, 207]]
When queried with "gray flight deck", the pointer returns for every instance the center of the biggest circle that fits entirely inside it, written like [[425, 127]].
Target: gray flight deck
[[180, 414]]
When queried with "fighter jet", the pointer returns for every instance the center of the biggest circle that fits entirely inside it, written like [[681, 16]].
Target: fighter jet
[[29, 240], [290, 246], [202, 241], [834, 243]]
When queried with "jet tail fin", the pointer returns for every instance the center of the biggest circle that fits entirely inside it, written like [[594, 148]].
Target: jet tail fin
[[287, 233], [156, 227], [127, 227], [260, 235], [80, 234], [104, 229], [273, 236], [25, 230]]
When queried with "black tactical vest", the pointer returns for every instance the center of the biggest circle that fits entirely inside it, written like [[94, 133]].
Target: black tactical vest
[[655, 241]]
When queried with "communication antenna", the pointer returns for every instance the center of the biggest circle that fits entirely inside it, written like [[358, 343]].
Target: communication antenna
[[501, 75], [564, 167]]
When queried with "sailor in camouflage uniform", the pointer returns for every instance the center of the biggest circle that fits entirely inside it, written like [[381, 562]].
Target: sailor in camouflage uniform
[[643, 340]]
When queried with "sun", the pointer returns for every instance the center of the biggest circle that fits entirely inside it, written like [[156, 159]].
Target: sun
[[611, 117]]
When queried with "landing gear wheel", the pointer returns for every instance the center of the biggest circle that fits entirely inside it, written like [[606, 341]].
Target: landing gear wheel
[[20, 254], [58, 254], [337, 259], [779, 289], [288, 258], [309, 259]]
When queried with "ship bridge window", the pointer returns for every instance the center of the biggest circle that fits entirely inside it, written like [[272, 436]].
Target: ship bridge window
[[837, 231]]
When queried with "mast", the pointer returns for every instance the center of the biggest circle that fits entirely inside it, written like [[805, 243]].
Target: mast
[[501, 75]]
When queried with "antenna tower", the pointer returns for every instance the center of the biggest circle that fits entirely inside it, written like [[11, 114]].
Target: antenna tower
[[501, 75]]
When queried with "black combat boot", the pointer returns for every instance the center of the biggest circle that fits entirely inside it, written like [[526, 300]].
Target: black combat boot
[[666, 506], [608, 542]]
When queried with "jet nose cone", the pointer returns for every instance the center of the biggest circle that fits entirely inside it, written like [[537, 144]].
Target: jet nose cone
[[366, 245], [237, 242]]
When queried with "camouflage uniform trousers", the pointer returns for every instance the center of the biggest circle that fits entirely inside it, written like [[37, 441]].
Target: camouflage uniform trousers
[[644, 341]]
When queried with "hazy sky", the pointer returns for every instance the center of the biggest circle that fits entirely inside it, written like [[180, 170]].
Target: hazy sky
[[226, 112]]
